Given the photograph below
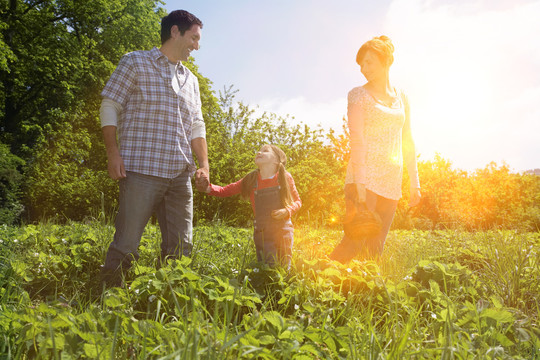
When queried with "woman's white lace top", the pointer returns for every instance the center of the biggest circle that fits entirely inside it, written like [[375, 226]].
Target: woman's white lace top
[[380, 142]]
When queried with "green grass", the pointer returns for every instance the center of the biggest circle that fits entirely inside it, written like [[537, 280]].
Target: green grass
[[433, 295]]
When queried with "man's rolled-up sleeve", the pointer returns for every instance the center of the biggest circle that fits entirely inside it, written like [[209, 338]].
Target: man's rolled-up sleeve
[[198, 128]]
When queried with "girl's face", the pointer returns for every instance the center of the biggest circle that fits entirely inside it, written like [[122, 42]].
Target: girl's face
[[266, 156], [371, 66]]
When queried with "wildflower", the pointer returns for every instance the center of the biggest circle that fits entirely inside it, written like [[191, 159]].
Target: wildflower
[[296, 307], [433, 315], [15, 241], [349, 270], [256, 270]]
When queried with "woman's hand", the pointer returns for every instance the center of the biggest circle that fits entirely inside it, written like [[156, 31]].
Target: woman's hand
[[415, 197], [361, 190], [280, 214], [355, 192]]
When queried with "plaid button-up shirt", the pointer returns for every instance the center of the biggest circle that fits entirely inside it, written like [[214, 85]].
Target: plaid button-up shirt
[[154, 128]]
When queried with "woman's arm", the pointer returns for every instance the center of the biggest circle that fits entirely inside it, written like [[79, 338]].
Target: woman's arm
[[409, 155], [355, 115]]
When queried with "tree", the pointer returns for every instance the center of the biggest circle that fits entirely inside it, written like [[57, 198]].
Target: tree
[[10, 179], [55, 57]]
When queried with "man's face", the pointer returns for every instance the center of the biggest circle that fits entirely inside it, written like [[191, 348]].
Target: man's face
[[185, 44]]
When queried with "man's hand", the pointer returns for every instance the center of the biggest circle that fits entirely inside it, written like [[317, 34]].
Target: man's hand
[[280, 214], [415, 197], [115, 165], [202, 179]]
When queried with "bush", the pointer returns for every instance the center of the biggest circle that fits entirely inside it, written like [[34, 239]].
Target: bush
[[68, 178], [10, 180], [492, 197]]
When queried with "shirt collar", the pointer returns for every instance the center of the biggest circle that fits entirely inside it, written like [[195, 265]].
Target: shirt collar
[[157, 55], [270, 178]]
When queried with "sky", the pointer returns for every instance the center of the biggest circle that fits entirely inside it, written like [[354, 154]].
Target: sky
[[471, 68]]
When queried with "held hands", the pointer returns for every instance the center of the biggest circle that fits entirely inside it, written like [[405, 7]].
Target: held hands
[[280, 214], [202, 179]]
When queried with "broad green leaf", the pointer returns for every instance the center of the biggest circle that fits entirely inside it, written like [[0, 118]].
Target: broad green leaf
[[275, 319]]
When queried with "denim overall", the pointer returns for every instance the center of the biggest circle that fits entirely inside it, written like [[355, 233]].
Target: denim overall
[[273, 238]]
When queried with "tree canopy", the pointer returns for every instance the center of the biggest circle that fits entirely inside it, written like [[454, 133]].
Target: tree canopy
[[55, 57]]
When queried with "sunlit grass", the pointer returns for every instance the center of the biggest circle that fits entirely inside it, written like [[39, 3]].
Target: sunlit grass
[[438, 294]]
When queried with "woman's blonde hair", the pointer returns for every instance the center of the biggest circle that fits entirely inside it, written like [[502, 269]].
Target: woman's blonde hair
[[249, 181], [380, 45]]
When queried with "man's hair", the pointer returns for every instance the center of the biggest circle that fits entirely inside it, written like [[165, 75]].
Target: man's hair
[[182, 19]]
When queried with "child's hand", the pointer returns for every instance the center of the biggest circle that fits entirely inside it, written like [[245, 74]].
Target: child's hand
[[280, 214]]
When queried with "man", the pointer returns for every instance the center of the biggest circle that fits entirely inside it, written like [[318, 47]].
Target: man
[[153, 101]]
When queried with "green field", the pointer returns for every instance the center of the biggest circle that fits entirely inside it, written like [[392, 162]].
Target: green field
[[433, 295]]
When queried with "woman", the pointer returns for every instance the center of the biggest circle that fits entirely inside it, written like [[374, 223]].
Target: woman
[[381, 141]]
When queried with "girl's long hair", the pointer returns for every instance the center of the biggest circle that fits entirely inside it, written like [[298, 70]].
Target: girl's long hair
[[248, 183]]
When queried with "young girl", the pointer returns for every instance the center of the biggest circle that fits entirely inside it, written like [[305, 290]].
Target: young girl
[[274, 200]]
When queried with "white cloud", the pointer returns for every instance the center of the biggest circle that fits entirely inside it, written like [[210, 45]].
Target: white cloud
[[326, 114]]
